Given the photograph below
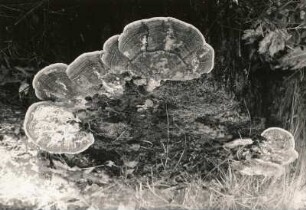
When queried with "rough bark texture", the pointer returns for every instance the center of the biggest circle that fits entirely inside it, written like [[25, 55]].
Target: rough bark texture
[[180, 127]]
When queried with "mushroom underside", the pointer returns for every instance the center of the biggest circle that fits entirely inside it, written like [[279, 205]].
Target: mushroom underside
[[53, 128]]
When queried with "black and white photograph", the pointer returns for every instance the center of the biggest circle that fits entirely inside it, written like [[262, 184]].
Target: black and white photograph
[[152, 104]]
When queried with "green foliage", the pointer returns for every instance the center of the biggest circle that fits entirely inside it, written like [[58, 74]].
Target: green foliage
[[279, 35]]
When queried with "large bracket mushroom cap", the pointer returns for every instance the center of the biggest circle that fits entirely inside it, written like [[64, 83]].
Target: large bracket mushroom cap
[[160, 48], [54, 128], [52, 83]]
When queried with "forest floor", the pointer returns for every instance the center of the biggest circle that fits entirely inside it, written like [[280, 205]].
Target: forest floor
[[28, 180]]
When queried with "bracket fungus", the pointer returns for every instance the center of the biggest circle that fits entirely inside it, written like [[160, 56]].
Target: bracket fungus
[[87, 72], [279, 146], [149, 50], [279, 138], [55, 129], [51, 124], [52, 83], [160, 48], [273, 154], [238, 143], [85, 76]]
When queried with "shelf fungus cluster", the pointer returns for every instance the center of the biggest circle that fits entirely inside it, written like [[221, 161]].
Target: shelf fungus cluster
[[146, 53], [149, 50], [267, 158]]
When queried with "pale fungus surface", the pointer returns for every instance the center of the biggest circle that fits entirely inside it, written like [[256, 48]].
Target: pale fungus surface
[[87, 72], [52, 83], [272, 154], [113, 58], [238, 143], [161, 48], [54, 128], [279, 146], [279, 138], [258, 167]]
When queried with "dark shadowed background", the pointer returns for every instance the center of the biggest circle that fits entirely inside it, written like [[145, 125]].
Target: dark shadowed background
[[36, 33]]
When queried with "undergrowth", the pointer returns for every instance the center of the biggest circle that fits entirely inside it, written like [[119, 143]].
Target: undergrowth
[[84, 189], [25, 177], [71, 188]]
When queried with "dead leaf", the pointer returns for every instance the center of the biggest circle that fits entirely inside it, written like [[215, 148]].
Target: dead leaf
[[251, 35], [294, 60], [130, 164], [274, 42]]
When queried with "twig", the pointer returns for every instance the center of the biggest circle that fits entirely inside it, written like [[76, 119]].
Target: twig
[[10, 8], [119, 136], [153, 192], [30, 11], [249, 114], [168, 136], [181, 155]]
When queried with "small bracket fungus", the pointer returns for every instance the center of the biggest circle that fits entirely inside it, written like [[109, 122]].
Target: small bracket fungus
[[238, 143], [53, 128], [275, 152], [86, 71], [113, 58], [279, 146], [279, 138], [91, 76], [52, 83], [160, 48]]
